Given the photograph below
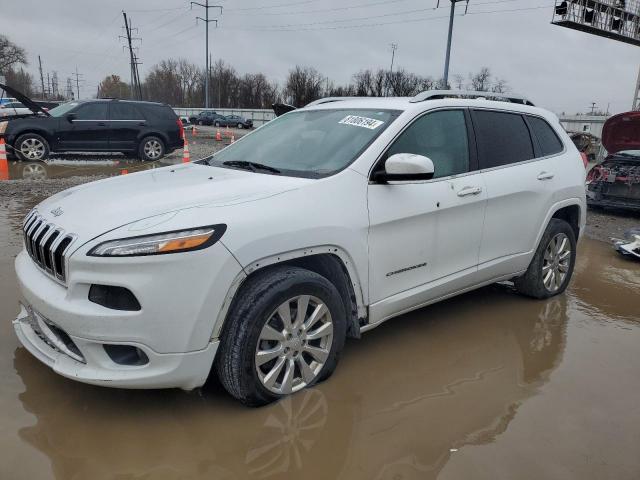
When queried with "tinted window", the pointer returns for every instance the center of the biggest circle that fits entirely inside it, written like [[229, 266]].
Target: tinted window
[[159, 112], [502, 138], [92, 111], [549, 142], [441, 136], [124, 111]]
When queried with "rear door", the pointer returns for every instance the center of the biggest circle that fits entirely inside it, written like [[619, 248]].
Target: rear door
[[519, 182], [125, 124], [88, 131], [424, 237]]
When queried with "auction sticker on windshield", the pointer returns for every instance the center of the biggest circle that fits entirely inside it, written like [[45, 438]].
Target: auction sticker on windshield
[[356, 121]]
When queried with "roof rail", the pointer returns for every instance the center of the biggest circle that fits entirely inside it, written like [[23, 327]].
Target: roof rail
[[440, 94], [320, 101]]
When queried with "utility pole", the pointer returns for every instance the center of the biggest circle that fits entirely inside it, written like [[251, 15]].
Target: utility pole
[[636, 96], [445, 77], [48, 86], [69, 89], [206, 21], [77, 75], [41, 76], [394, 47], [593, 108], [136, 89]]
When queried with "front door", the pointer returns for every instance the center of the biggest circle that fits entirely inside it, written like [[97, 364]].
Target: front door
[[88, 131], [424, 237]]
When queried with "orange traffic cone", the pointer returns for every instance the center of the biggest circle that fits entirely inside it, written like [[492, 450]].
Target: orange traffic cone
[[194, 132], [233, 138], [218, 136], [186, 157], [4, 164], [124, 171]]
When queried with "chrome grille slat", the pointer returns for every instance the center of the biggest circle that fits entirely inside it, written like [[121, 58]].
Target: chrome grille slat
[[47, 245]]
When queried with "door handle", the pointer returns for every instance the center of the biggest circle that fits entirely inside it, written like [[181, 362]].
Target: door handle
[[545, 176], [101, 124], [466, 191], [142, 124]]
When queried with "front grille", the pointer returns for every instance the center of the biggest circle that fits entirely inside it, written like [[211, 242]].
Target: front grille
[[47, 245]]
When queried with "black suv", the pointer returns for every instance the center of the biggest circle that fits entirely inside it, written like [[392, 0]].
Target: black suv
[[147, 129], [205, 118]]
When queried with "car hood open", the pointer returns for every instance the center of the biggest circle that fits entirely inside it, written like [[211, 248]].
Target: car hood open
[[26, 101], [622, 132]]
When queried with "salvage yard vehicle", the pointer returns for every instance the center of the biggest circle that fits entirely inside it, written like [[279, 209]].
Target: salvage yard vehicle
[[205, 118], [13, 108], [147, 129], [233, 121], [616, 181], [257, 262]]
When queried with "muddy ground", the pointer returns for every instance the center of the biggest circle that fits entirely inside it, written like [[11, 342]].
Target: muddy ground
[[489, 385]]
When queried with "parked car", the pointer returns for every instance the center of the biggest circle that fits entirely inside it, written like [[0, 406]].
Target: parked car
[[233, 121], [148, 129], [616, 181], [205, 118], [260, 260], [13, 108]]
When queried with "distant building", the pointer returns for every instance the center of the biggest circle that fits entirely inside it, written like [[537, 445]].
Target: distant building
[[591, 124]]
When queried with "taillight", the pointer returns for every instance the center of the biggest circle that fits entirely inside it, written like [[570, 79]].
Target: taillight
[[585, 159], [181, 127]]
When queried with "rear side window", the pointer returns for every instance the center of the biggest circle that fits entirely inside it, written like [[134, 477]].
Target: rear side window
[[441, 136], [92, 111], [502, 138], [548, 140], [124, 111], [159, 112]]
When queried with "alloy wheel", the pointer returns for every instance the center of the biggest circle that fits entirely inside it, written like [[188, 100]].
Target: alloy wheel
[[294, 345], [556, 262], [32, 148], [152, 149]]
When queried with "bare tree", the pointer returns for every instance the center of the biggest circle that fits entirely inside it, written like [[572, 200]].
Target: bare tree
[[500, 86], [10, 54], [458, 81], [20, 80], [481, 81], [303, 85]]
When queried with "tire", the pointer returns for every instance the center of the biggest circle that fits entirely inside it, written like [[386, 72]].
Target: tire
[[151, 149], [240, 126], [555, 257], [216, 124], [257, 304], [200, 122], [31, 146]]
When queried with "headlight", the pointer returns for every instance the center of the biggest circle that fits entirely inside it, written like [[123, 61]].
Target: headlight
[[161, 243]]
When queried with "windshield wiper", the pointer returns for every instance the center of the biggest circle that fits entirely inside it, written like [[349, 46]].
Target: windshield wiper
[[252, 166]]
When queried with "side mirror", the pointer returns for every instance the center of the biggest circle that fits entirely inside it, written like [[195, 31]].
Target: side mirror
[[406, 167], [71, 117]]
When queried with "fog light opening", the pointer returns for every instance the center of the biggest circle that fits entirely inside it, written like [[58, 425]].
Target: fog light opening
[[115, 298], [126, 355]]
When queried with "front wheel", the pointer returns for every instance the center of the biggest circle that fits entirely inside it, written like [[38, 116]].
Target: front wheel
[[240, 126], [151, 148], [31, 146], [285, 332], [552, 266], [217, 124]]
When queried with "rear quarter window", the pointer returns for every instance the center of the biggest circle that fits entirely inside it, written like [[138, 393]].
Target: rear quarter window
[[163, 113], [548, 140], [502, 138]]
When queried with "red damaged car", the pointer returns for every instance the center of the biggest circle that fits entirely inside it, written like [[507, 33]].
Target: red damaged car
[[616, 181]]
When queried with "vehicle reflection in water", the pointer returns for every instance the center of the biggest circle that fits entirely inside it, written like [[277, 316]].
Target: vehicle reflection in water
[[440, 378], [61, 168]]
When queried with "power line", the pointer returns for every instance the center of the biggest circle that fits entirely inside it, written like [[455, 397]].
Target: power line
[[265, 7]]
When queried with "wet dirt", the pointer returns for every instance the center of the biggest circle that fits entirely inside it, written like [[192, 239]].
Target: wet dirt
[[489, 385]]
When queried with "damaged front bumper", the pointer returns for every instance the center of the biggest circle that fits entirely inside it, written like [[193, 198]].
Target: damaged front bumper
[[631, 245]]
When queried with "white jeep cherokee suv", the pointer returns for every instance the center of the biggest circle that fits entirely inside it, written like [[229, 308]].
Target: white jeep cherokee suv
[[257, 262]]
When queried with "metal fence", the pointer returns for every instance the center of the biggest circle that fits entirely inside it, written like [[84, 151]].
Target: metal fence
[[259, 116]]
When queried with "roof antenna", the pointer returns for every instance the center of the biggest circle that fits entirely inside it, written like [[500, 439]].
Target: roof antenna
[[466, 9]]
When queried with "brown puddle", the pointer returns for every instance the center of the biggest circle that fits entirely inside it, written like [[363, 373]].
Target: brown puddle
[[487, 385]]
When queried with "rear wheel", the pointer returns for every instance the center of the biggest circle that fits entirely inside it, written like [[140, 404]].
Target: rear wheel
[[151, 148], [31, 146], [240, 126], [217, 124], [284, 333], [550, 270]]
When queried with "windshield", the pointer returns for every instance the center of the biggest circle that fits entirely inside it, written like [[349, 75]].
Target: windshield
[[311, 144], [60, 110]]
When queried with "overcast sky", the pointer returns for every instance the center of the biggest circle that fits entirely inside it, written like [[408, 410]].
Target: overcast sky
[[557, 68]]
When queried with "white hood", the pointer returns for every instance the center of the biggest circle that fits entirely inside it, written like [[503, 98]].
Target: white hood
[[92, 209]]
